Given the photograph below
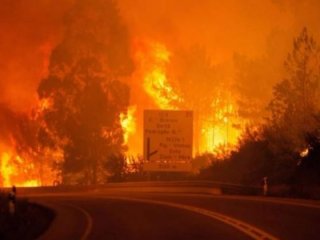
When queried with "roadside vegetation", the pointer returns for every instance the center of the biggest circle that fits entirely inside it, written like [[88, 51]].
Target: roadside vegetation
[[286, 147]]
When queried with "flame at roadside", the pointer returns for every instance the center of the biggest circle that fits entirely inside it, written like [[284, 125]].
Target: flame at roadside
[[29, 171], [23, 162], [218, 129], [16, 170], [221, 129], [128, 123], [153, 64]]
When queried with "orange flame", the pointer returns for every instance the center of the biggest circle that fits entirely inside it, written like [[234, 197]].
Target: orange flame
[[128, 123], [155, 82], [27, 171], [218, 128], [29, 167], [15, 171]]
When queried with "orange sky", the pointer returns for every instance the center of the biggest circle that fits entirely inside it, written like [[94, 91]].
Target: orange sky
[[29, 29], [223, 27]]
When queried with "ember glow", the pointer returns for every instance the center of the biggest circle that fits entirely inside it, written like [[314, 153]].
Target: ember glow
[[304, 152]]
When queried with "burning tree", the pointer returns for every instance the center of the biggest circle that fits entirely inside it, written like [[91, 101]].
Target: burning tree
[[18, 149], [187, 79], [84, 91], [200, 85]]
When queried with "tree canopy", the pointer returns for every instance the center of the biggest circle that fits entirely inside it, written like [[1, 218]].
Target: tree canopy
[[84, 90], [296, 98]]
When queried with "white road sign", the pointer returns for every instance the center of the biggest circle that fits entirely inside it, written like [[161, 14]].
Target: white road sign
[[168, 140]]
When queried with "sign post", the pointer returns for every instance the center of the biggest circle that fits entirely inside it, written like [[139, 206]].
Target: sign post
[[168, 140]]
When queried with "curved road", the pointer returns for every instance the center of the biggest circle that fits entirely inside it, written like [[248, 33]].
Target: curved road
[[150, 213]]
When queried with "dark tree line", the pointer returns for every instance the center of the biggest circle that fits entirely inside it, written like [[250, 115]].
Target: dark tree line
[[287, 146]]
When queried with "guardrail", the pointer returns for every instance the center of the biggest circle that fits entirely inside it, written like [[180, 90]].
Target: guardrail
[[225, 188], [208, 187]]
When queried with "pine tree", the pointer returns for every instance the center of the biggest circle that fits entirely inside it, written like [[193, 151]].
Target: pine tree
[[296, 98]]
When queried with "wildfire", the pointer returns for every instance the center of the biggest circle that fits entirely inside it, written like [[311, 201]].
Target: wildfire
[[214, 129], [6, 169], [29, 171], [128, 123], [220, 131], [218, 128], [27, 165], [155, 81], [15, 171]]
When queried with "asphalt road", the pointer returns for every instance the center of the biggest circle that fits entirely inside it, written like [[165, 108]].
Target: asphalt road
[[160, 213]]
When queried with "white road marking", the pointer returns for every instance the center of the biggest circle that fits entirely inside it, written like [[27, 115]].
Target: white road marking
[[246, 228], [89, 220], [284, 201], [251, 231]]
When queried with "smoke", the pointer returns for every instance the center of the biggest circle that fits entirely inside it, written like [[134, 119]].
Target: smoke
[[8, 122], [29, 30], [223, 27], [260, 32], [248, 41]]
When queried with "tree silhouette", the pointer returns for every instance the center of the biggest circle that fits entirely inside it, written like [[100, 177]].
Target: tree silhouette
[[296, 98], [85, 90]]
